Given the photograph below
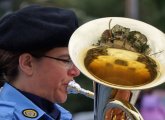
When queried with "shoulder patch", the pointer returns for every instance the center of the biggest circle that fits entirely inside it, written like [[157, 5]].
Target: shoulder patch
[[30, 113]]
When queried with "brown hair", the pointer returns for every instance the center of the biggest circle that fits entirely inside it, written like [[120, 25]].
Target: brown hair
[[8, 66]]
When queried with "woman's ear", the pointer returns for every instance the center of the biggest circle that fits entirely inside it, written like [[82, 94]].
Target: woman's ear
[[25, 63]]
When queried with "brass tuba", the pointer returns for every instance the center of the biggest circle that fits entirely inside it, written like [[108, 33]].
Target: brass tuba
[[87, 35]]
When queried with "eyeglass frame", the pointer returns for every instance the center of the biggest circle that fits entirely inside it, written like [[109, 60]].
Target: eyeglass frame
[[69, 62]]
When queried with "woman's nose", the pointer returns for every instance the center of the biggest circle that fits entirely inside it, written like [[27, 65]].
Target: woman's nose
[[74, 71]]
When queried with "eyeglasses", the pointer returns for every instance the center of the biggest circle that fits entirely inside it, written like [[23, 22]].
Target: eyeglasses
[[68, 63]]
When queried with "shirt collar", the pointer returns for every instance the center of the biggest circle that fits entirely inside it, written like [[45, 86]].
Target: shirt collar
[[23, 104]]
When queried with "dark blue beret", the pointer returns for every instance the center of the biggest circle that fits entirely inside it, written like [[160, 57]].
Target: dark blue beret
[[36, 27]]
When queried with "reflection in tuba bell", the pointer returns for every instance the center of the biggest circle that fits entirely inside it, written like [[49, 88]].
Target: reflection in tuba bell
[[124, 58]]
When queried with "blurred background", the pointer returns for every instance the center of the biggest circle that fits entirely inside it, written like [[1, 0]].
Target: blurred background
[[149, 11]]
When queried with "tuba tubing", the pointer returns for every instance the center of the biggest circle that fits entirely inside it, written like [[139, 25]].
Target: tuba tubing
[[131, 111], [104, 101]]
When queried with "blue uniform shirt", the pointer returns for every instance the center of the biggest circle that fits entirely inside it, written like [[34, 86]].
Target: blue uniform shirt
[[15, 106]]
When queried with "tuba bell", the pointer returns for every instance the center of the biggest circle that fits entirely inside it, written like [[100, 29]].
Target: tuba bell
[[105, 90]]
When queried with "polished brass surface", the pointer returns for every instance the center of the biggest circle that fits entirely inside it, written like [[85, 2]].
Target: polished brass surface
[[122, 67]]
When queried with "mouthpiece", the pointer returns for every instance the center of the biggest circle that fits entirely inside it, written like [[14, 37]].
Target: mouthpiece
[[75, 88]]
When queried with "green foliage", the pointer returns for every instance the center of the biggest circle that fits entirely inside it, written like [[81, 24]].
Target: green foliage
[[100, 8], [154, 13]]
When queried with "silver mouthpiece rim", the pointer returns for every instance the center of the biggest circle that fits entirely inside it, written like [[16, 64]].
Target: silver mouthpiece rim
[[75, 88]]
